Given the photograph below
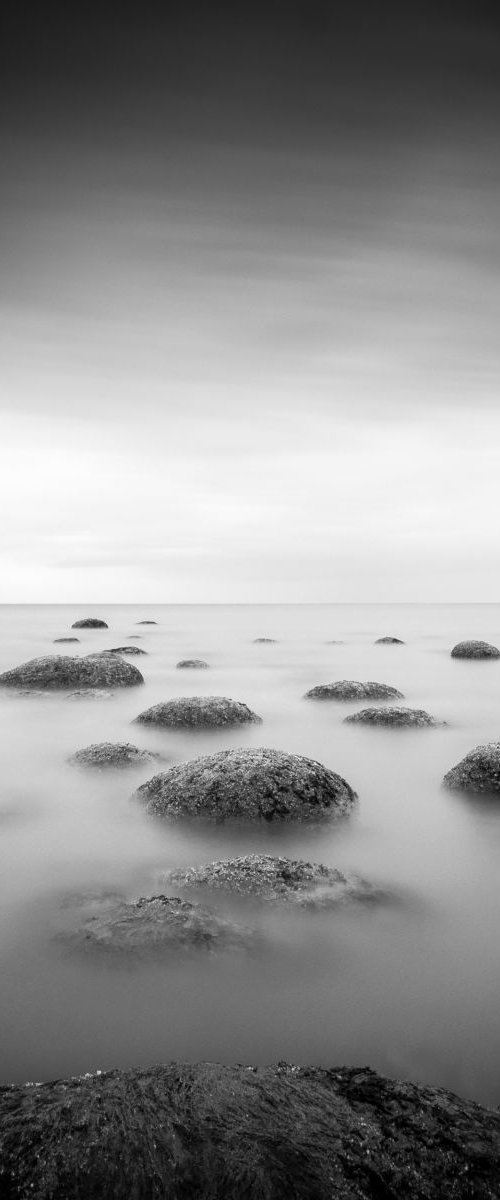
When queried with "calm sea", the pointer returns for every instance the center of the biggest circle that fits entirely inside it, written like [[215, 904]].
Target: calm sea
[[409, 987]]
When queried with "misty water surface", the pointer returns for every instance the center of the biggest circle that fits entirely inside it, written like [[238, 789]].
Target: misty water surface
[[409, 987]]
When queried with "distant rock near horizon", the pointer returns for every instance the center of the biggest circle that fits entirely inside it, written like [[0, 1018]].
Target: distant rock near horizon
[[397, 717], [192, 663], [479, 771], [59, 672], [126, 650], [389, 641], [111, 754], [264, 641], [349, 689], [66, 639], [89, 623], [191, 712], [146, 622], [475, 649]]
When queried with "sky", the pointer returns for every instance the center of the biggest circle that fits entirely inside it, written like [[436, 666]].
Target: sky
[[250, 303]]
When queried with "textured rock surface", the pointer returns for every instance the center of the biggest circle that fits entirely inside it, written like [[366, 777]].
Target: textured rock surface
[[249, 783], [68, 639], [126, 650], [111, 754], [479, 771], [393, 716], [200, 1131], [389, 641], [56, 672], [91, 694], [349, 689], [198, 711], [89, 623], [310, 885], [154, 925], [198, 663], [475, 650]]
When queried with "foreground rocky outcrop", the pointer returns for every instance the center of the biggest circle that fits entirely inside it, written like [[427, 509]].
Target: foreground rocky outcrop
[[202, 1131], [152, 926], [292, 881], [195, 663], [349, 689], [406, 717], [479, 771], [57, 672], [253, 784], [206, 712], [112, 754], [389, 641], [474, 649], [89, 623]]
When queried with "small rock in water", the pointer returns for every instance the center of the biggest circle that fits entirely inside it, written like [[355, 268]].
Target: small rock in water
[[57, 672], [195, 663], [89, 623], [479, 771], [349, 689], [251, 784], [154, 925], [393, 716], [146, 622], [264, 641], [112, 754], [126, 650], [475, 649], [91, 694], [389, 641], [68, 639], [198, 712], [310, 885]]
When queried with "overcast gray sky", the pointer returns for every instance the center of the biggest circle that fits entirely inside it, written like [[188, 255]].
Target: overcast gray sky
[[250, 308]]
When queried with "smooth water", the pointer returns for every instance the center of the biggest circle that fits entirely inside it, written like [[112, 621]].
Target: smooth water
[[409, 987]]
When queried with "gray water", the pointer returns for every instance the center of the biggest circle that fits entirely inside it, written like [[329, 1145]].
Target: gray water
[[409, 987]]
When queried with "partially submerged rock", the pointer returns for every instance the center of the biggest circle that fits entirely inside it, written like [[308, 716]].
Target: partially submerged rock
[[253, 784], [126, 650], [194, 1130], [59, 672], [310, 885], [146, 622], [389, 641], [68, 639], [112, 754], [198, 712], [264, 641], [479, 771], [393, 716], [89, 623], [91, 694], [154, 925], [349, 689], [475, 649], [195, 663]]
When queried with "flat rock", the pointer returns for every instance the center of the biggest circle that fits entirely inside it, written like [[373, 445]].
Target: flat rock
[[264, 641], [68, 639], [349, 689], [112, 754], [195, 663], [146, 622], [126, 650], [152, 925], [57, 672], [475, 649], [389, 641], [89, 623], [479, 771], [393, 716], [203, 1131], [198, 712], [251, 783], [310, 885], [91, 694]]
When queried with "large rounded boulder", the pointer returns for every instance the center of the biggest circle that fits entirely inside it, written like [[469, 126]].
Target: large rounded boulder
[[198, 712], [56, 672], [475, 649], [350, 689], [89, 623], [111, 754], [275, 878], [479, 771], [250, 784], [396, 717]]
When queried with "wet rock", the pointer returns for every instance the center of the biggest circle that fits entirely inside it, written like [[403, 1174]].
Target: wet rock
[[89, 623], [126, 650], [264, 641], [146, 622], [195, 663], [69, 639], [393, 716], [310, 885], [253, 784], [479, 771], [389, 641], [198, 712], [154, 925], [112, 754], [58, 672], [475, 649], [349, 689], [194, 1130]]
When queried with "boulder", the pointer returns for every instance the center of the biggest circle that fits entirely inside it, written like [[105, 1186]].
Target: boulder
[[199, 712], [264, 641], [66, 640], [475, 649], [59, 672], [112, 754], [349, 689], [89, 623], [204, 1130], [309, 885], [399, 717], [154, 925], [146, 622], [479, 771], [389, 641], [195, 663], [126, 650], [251, 783]]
